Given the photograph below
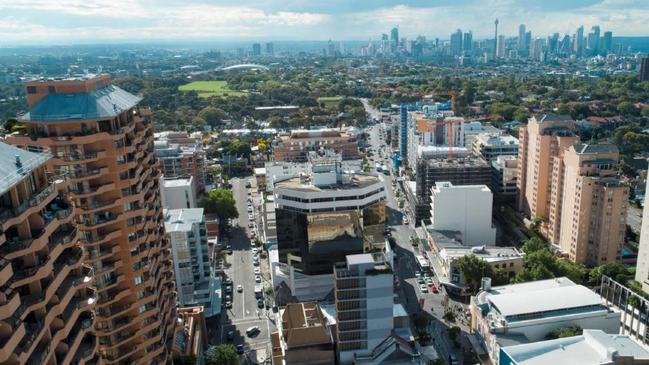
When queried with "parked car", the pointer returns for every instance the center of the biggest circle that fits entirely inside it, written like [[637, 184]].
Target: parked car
[[230, 335], [258, 278], [240, 349], [239, 288], [251, 331], [423, 288]]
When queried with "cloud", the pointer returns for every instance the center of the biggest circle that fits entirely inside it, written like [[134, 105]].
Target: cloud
[[28, 21]]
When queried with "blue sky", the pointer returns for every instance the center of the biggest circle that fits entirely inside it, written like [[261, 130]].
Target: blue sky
[[70, 21]]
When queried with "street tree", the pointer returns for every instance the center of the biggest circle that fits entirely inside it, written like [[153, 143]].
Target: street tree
[[220, 202], [224, 354]]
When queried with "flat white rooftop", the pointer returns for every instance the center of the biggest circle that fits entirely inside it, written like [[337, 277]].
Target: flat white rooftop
[[174, 183], [593, 347]]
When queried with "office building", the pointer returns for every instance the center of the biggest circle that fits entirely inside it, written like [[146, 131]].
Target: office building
[[304, 336], [644, 69], [47, 296], [403, 132], [524, 313], [295, 146], [490, 146], [467, 43], [195, 283], [579, 42], [456, 43], [321, 217], [607, 42], [270, 49], [182, 156], [509, 260], [103, 141], [504, 173], [588, 213], [178, 193], [472, 129], [522, 45], [394, 39], [541, 141], [363, 288], [593, 40], [458, 171], [429, 127], [256, 49], [500, 51], [495, 44], [278, 170], [465, 209], [593, 347]]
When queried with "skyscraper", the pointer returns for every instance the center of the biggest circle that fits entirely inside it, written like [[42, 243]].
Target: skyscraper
[[256, 49], [456, 43], [501, 47], [593, 40], [522, 45], [467, 43], [644, 69], [579, 41], [394, 38], [270, 49], [103, 141], [607, 42]]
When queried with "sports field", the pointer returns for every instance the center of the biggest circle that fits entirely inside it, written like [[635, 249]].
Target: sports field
[[329, 101], [210, 88]]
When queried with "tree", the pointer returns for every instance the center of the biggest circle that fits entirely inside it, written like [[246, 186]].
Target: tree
[[225, 354], [627, 108], [474, 269], [220, 202], [198, 122], [565, 332], [532, 245], [212, 115], [613, 270]]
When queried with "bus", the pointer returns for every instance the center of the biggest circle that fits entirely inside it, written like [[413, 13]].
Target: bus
[[423, 264]]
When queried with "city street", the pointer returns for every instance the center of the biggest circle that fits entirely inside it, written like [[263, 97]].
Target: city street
[[406, 264], [244, 312]]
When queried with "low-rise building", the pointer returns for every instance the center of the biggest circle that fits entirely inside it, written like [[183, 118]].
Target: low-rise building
[[593, 347], [504, 175], [528, 312], [182, 155], [507, 259], [178, 193], [491, 145], [295, 146], [195, 281], [463, 208], [303, 337], [191, 335]]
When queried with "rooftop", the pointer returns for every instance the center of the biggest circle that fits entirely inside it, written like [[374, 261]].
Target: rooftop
[[584, 148], [486, 253], [181, 220], [539, 296], [497, 140], [179, 182], [360, 259], [357, 181], [16, 164], [465, 162], [552, 118], [591, 348], [106, 102]]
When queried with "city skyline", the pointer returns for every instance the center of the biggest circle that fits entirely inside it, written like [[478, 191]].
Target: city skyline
[[102, 21]]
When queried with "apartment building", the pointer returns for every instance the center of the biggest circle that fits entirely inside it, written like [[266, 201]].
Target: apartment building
[[543, 139], [304, 336], [491, 145], [429, 128], [523, 313], [642, 268], [363, 287], [458, 171], [178, 193], [465, 209], [295, 146], [195, 282], [592, 221], [46, 291], [182, 156], [103, 142]]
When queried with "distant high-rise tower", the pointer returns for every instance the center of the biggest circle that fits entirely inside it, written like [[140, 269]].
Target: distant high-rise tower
[[644, 69], [522, 46], [270, 49], [607, 42], [256, 49], [394, 38], [579, 41], [500, 52], [456, 43], [496, 36], [593, 40], [467, 43]]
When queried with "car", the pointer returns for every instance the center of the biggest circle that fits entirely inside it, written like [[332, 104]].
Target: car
[[423, 288], [228, 281], [251, 217], [249, 208], [417, 274], [260, 303], [405, 220], [228, 304], [429, 280], [250, 225], [258, 278], [228, 298], [230, 335], [421, 280], [251, 331], [239, 288], [254, 249], [433, 288], [255, 262], [257, 271], [228, 289], [240, 349]]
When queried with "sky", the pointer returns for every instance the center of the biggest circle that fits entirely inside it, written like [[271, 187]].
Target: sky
[[25, 22]]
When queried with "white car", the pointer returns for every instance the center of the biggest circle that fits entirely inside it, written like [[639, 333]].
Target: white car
[[257, 271], [258, 278], [249, 208], [239, 288], [423, 288], [254, 249]]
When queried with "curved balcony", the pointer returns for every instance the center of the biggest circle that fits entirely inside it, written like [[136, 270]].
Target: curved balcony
[[79, 158], [95, 255], [80, 193], [6, 271], [79, 176], [119, 355], [103, 238], [10, 217], [87, 349], [98, 221]]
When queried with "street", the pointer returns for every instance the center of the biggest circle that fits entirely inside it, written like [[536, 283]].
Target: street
[[406, 265], [244, 312]]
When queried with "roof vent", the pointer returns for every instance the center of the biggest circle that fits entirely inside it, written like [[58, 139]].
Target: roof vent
[[19, 164]]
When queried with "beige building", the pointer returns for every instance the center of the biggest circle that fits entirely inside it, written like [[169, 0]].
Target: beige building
[[103, 142], [543, 138], [304, 336], [594, 207], [295, 147], [642, 268], [46, 291]]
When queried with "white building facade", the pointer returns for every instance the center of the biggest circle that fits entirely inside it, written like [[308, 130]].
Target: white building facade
[[463, 208], [178, 193], [195, 280]]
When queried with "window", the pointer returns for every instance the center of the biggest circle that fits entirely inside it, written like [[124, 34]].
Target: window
[[138, 280], [51, 89], [31, 89]]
